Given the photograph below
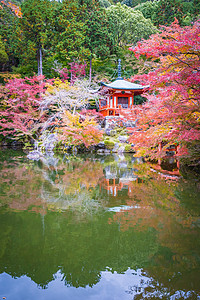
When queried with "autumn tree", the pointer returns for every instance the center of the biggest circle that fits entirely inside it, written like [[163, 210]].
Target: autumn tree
[[61, 96], [20, 102], [171, 114], [72, 130], [63, 103]]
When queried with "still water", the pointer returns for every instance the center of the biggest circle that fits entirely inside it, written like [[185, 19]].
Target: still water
[[102, 228]]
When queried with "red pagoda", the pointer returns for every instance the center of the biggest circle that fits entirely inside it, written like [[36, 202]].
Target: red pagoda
[[119, 95]]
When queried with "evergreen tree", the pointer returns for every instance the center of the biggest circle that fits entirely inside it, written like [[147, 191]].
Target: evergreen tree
[[69, 36], [105, 3], [163, 12], [148, 9], [3, 54], [128, 2], [35, 24], [128, 25], [10, 35], [99, 37], [166, 10]]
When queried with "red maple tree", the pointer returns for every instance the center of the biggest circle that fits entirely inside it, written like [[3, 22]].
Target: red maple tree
[[20, 102], [172, 113]]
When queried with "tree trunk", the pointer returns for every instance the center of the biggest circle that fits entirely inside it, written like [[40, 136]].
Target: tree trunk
[[71, 79], [90, 76], [39, 60]]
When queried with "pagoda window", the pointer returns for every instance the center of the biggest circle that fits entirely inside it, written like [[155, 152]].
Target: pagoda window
[[123, 101], [103, 103]]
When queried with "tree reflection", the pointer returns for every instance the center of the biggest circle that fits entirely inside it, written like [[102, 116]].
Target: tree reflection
[[58, 216], [79, 250], [20, 185], [154, 204], [39, 186]]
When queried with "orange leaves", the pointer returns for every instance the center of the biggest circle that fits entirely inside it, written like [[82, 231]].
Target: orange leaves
[[75, 131], [85, 174], [16, 9]]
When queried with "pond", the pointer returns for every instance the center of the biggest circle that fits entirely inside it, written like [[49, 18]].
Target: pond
[[100, 227]]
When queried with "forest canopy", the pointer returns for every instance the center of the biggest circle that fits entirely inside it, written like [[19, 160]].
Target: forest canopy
[[37, 36]]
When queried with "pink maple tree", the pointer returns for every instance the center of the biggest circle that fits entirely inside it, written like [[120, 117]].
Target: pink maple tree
[[20, 102], [172, 113], [76, 71]]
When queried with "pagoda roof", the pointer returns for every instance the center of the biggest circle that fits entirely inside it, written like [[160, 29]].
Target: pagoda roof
[[121, 84]]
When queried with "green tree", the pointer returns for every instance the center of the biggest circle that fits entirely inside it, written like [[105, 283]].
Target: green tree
[[99, 38], [3, 54], [148, 9], [36, 26], [191, 10], [81, 32], [137, 2], [10, 34], [128, 2], [163, 12], [128, 26], [166, 11], [69, 33], [104, 3]]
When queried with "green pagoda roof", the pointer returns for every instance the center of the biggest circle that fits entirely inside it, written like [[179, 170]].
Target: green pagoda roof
[[121, 84]]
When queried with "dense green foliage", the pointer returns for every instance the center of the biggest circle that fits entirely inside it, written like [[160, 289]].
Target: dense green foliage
[[10, 34], [3, 54], [49, 31], [40, 35], [129, 26], [163, 12]]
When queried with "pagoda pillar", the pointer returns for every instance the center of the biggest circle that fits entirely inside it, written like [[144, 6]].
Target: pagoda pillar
[[115, 101], [111, 103], [130, 101]]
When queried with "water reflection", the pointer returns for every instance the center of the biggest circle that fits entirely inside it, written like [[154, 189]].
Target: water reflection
[[109, 225], [119, 175]]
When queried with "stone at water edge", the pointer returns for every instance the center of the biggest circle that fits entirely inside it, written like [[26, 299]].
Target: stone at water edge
[[116, 148], [121, 149], [101, 145], [113, 132], [122, 138], [35, 155]]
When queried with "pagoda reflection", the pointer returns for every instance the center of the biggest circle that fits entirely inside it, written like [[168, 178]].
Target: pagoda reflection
[[120, 176]]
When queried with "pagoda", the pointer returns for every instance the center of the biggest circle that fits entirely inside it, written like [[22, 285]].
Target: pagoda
[[119, 95]]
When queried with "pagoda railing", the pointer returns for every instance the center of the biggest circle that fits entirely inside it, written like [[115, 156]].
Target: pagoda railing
[[118, 107]]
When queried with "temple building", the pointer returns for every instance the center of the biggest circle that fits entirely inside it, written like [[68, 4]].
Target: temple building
[[119, 94]]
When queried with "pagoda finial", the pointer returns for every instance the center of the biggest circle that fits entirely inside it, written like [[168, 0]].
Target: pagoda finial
[[119, 69]]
